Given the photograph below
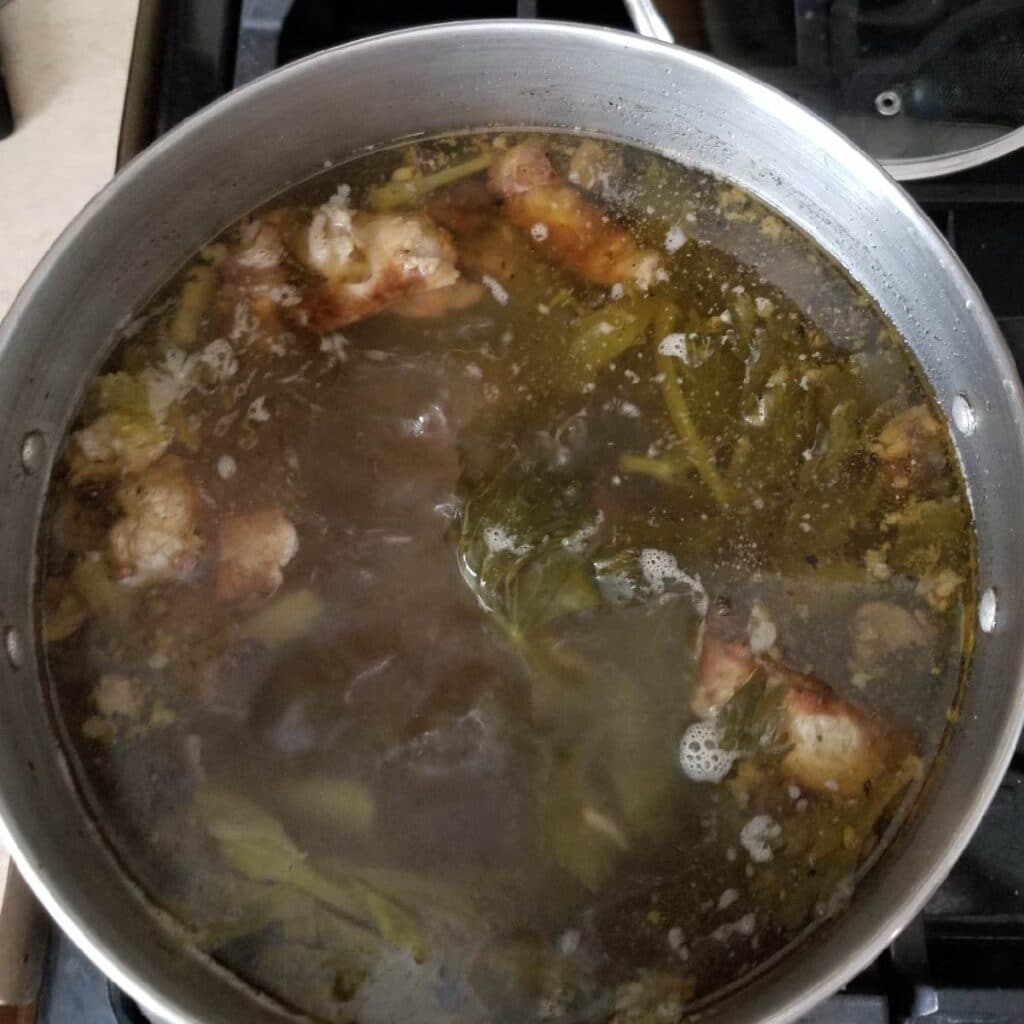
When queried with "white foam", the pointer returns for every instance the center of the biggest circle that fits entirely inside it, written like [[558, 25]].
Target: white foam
[[728, 898], [258, 411], [578, 541], [757, 835], [260, 257], [497, 538], [330, 239], [701, 754], [496, 289], [174, 378], [661, 567], [745, 926], [335, 344], [673, 345], [675, 239]]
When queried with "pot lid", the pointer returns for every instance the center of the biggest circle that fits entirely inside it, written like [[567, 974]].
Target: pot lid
[[927, 87]]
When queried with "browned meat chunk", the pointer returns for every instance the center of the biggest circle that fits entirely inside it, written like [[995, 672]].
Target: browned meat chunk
[[370, 261], [256, 287], [910, 447], [564, 225], [156, 538], [594, 167], [436, 303], [487, 244], [466, 207], [254, 548], [880, 629], [833, 745], [940, 588], [724, 668]]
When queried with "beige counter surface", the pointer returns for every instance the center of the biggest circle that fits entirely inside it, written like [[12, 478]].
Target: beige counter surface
[[66, 64]]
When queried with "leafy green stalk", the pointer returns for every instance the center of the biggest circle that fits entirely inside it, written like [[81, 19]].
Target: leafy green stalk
[[666, 469], [679, 412], [606, 333], [396, 194]]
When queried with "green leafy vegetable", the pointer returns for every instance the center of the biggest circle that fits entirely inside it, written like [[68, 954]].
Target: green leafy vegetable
[[517, 549], [111, 603], [287, 618], [409, 191], [255, 844], [666, 469], [679, 413], [123, 393], [194, 301], [347, 804], [605, 334], [926, 535], [751, 722]]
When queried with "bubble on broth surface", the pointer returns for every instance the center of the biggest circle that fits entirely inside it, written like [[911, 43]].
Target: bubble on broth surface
[[701, 754]]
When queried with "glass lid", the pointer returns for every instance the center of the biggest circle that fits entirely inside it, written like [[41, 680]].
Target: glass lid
[[927, 87]]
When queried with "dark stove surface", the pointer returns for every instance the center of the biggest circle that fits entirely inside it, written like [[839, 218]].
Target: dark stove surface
[[962, 960]]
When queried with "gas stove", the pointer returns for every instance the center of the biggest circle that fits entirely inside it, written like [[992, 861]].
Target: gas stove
[[960, 961]]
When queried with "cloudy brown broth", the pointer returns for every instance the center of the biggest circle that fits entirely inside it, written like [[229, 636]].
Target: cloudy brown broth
[[509, 578]]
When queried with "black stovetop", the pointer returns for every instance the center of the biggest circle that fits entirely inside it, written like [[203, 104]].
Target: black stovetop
[[961, 960]]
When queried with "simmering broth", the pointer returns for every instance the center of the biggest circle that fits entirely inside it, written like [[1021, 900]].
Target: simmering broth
[[506, 578]]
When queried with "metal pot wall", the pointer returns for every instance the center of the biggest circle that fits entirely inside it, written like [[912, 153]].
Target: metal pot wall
[[281, 130]]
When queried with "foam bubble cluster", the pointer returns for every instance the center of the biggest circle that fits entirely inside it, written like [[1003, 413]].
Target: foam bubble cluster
[[661, 567], [497, 538], [673, 345], [702, 755]]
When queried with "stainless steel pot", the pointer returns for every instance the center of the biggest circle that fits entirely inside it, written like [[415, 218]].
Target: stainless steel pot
[[282, 129]]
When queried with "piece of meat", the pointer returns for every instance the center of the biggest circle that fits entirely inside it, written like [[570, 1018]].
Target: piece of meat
[[156, 540], [487, 244], [835, 746], [500, 252], [910, 447], [594, 167], [433, 304], [940, 588], [255, 287], [370, 261], [465, 207], [880, 629], [117, 695], [723, 668], [253, 549], [564, 225], [521, 169]]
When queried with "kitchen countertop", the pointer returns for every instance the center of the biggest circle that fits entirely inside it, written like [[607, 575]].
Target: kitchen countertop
[[66, 65]]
